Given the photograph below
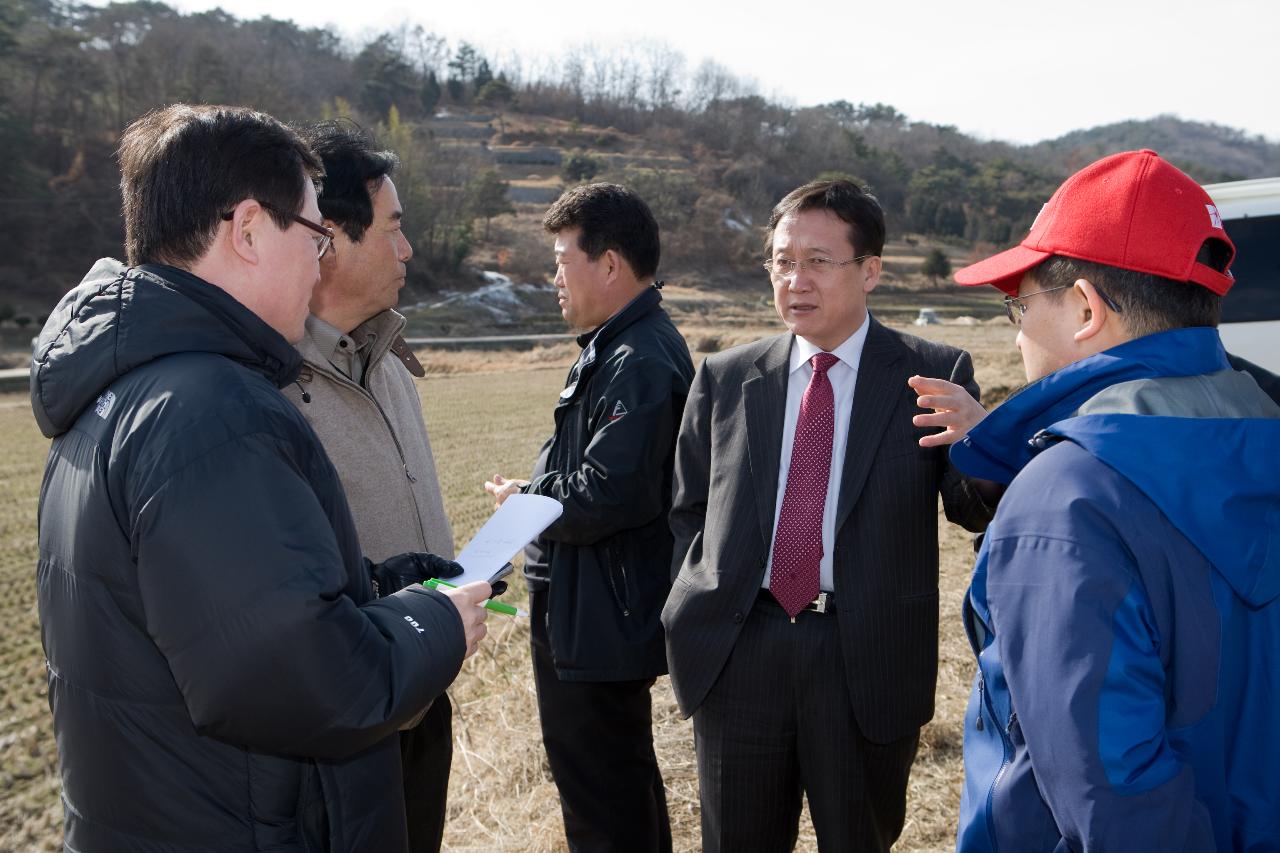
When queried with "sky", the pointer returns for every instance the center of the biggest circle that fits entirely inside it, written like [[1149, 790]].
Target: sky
[[1016, 71]]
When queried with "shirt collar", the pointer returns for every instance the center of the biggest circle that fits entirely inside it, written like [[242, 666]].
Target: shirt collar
[[329, 339], [849, 352]]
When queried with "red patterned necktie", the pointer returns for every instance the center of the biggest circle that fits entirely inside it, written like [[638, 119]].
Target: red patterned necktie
[[797, 543]]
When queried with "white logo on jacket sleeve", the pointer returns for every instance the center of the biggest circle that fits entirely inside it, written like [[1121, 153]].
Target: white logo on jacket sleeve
[[415, 624], [102, 408], [1215, 219], [618, 411]]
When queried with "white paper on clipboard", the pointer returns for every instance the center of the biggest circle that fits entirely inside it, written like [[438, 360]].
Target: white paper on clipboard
[[515, 524]]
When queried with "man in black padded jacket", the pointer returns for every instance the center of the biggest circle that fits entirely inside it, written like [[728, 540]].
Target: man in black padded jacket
[[599, 575]]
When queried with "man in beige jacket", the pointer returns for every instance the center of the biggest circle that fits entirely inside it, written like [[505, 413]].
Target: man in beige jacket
[[356, 391]]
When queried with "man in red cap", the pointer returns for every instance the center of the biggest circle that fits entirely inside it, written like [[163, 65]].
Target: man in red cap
[[1124, 605]]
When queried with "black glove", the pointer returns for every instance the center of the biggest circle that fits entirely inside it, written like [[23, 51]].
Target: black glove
[[396, 573]]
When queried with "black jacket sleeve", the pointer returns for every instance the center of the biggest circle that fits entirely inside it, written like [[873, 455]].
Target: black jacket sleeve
[[619, 484], [961, 500], [241, 580]]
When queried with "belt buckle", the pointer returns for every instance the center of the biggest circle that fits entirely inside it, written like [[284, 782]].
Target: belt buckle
[[819, 605]]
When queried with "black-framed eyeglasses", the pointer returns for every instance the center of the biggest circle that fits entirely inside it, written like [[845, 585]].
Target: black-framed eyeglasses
[[786, 267], [323, 242], [1015, 317]]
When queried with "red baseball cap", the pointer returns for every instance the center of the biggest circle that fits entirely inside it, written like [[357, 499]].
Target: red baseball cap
[[1131, 210]]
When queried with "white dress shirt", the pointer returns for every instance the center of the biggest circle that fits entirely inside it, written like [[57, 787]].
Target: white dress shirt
[[843, 376]]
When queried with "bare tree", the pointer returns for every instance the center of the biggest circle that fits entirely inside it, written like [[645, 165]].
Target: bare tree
[[427, 51], [711, 83], [664, 67]]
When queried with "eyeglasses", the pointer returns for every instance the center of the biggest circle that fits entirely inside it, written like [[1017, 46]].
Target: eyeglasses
[[780, 268], [1015, 317], [323, 242]]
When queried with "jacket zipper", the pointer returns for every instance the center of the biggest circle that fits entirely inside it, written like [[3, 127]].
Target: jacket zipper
[[622, 567], [972, 626], [626, 610], [982, 698], [1004, 765]]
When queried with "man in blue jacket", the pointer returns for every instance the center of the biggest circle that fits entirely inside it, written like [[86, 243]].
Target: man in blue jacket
[[1124, 603]]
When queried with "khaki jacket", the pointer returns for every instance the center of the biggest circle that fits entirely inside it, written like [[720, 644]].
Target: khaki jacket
[[377, 440]]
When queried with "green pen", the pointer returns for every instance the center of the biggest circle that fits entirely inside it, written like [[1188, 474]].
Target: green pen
[[495, 606]]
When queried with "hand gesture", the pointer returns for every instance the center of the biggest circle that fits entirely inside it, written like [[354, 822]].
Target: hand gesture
[[953, 410], [501, 488]]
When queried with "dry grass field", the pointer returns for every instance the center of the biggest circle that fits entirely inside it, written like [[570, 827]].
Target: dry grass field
[[486, 414]]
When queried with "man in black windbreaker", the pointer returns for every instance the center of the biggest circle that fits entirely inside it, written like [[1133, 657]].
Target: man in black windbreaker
[[220, 674], [599, 576]]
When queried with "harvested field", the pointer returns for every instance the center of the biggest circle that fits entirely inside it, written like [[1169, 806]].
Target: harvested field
[[502, 798]]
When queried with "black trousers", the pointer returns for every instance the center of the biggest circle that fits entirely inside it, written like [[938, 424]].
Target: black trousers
[[426, 751], [599, 742], [778, 724]]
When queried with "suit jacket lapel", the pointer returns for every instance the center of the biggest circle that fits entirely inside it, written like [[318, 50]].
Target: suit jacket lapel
[[874, 397], [764, 397]]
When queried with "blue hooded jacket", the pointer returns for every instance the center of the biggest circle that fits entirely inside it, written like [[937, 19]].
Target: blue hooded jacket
[[1124, 609]]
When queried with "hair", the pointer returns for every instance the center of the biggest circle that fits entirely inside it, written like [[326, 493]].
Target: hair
[[610, 217], [1147, 303], [853, 204], [354, 169], [183, 166]]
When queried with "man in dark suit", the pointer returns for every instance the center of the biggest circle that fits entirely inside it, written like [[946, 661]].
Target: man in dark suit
[[802, 629]]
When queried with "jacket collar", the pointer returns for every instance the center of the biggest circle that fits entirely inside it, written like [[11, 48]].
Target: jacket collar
[[591, 342], [1002, 444], [268, 352], [386, 327], [122, 317], [632, 311]]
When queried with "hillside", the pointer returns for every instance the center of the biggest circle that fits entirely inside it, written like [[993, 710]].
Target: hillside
[[485, 148], [1208, 152]]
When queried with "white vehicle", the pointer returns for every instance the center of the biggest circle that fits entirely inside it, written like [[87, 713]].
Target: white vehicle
[[1250, 211]]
